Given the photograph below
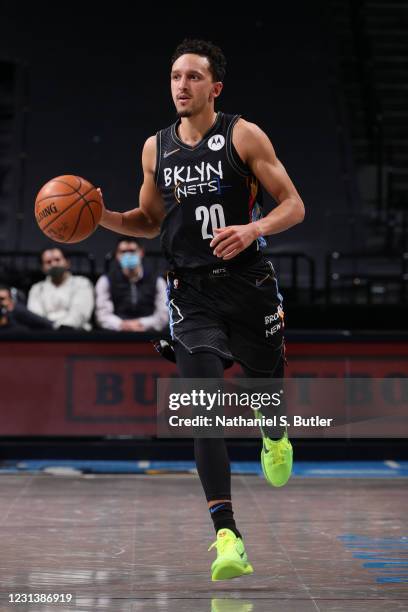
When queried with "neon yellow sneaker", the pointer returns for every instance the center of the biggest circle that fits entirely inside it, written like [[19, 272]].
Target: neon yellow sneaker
[[232, 560], [231, 605], [276, 459]]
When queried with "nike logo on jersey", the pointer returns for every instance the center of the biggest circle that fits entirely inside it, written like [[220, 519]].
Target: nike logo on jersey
[[168, 153]]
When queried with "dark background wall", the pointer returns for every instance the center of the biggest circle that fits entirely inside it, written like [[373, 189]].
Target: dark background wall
[[99, 86]]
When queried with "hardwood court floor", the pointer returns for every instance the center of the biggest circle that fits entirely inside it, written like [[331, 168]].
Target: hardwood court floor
[[139, 543]]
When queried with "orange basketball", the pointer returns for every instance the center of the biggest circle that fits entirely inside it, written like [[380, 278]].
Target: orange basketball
[[68, 208]]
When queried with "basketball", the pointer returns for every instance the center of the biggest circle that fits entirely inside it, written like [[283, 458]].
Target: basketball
[[68, 209]]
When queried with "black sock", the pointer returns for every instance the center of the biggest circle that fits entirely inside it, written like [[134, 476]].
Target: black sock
[[223, 517]]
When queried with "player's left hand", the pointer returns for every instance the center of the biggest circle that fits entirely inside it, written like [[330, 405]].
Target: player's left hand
[[231, 240]]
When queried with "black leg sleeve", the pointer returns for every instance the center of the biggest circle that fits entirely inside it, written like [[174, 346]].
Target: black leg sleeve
[[211, 454]]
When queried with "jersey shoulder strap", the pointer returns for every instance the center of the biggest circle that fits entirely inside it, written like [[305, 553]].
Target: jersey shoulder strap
[[232, 154], [159, 140], [163, 140]]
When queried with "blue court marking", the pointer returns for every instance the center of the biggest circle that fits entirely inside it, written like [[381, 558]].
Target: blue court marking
[[390, 572], [394, 579], [306, 469], [382, 547], [393, 569], [401, 571], [378, 556], [352, 469], [386, 564], [366, 538]]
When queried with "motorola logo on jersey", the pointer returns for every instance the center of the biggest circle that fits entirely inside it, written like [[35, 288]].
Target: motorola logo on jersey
[[216, 142]]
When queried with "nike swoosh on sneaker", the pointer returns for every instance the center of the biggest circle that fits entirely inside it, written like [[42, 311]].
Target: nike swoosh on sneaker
[[168, 153]]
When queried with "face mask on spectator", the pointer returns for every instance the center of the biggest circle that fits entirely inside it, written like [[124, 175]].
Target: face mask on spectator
[[56, 272], [130, 261]]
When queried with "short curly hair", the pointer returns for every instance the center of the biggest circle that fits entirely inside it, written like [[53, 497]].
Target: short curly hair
[[206, 49]]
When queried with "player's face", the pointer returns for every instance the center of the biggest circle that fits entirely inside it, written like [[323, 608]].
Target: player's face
[[192, 84], [53, 258]]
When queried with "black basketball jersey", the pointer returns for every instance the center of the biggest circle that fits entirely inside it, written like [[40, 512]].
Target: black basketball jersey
[[205, 186]]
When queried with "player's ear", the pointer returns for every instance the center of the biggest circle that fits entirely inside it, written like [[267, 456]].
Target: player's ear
[[216, 89]]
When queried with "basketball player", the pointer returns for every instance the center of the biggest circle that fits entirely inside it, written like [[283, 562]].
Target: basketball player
[[201, 193]]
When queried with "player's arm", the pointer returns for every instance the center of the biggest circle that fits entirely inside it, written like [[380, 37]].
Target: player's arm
[[256, 150], [145, 220]]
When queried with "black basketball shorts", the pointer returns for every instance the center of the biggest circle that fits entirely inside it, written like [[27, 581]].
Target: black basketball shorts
[[233, 312]]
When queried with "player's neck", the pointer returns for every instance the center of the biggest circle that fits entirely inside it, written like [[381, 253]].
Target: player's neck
[[192, 129]]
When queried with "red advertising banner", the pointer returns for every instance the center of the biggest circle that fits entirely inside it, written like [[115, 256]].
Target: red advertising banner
[[104, 388]]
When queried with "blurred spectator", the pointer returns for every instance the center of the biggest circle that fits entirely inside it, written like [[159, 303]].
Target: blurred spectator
[[15, 315], [129, 299], [7, 321], [64, 298]]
